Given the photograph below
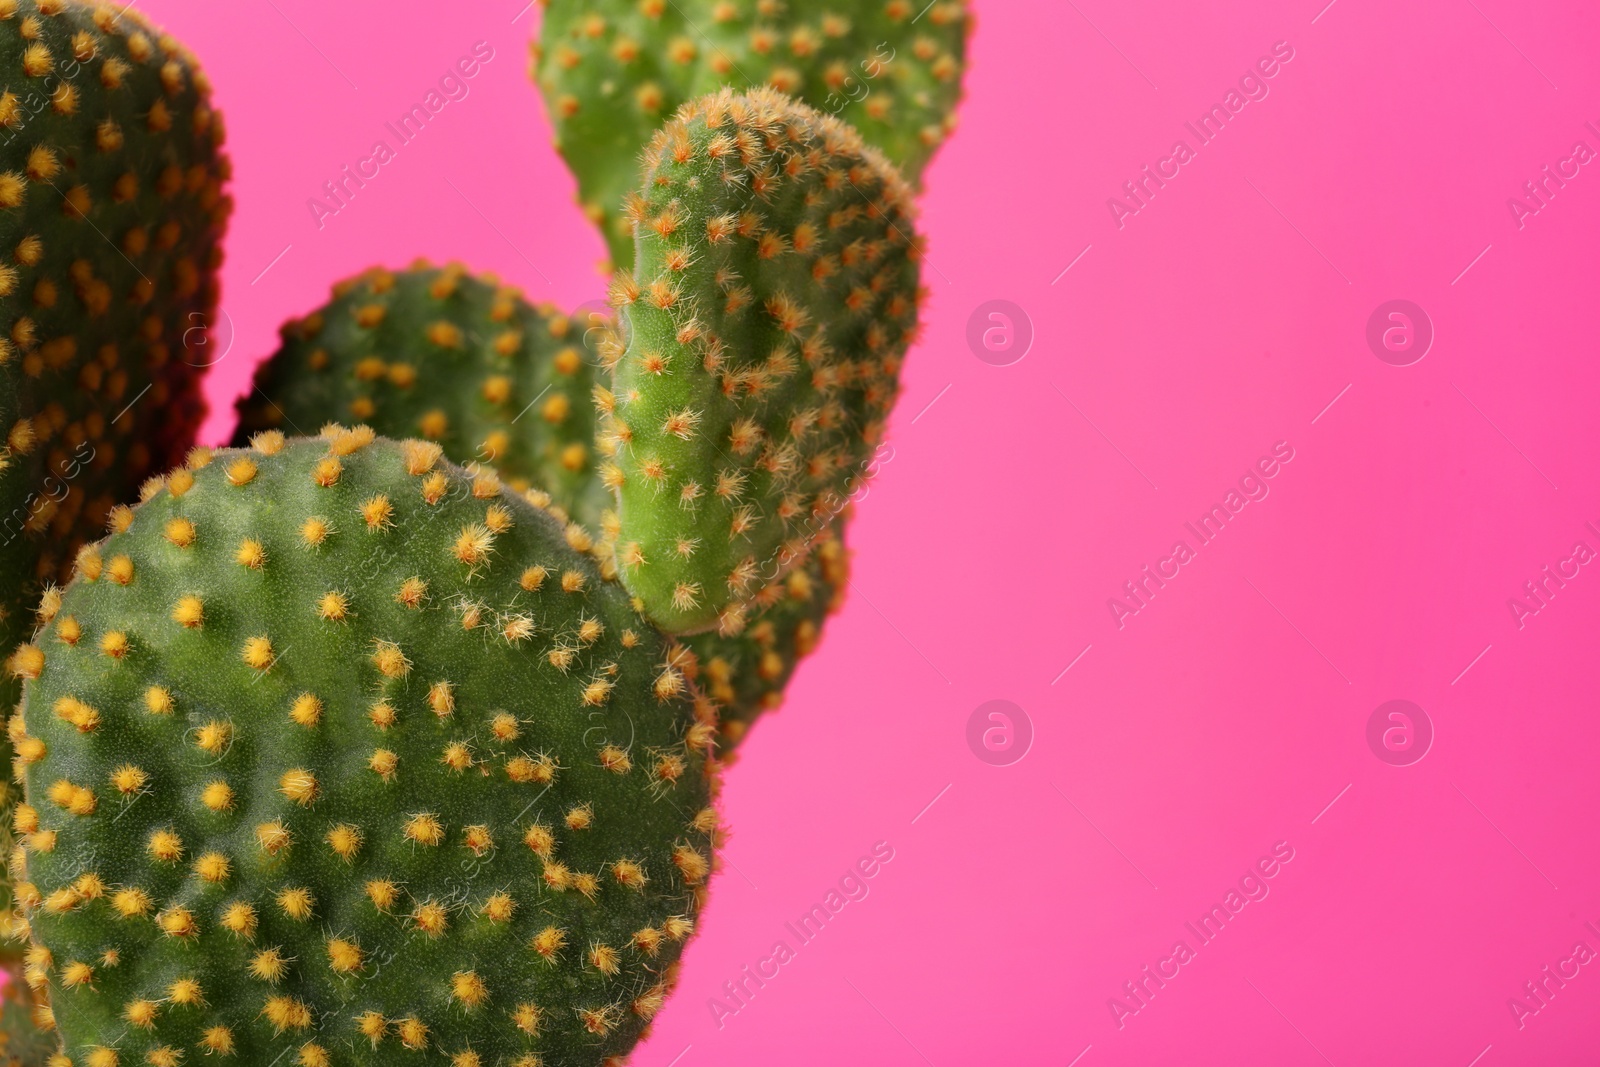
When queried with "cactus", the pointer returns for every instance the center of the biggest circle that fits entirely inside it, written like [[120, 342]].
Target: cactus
[[456, 358], [759, 345], [746, 673], [612, 71], [111, 214], [334, 752]]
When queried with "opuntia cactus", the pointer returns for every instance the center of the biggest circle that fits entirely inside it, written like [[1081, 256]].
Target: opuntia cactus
[[111, 215], [760, 339], [335, 752], [746, 673], [453, 357], [613, 71]]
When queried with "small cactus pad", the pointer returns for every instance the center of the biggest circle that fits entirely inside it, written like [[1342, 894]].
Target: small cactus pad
[[340, 753], [442, 354], [613, 71], [746, 673], [759, 348], [111, 217]]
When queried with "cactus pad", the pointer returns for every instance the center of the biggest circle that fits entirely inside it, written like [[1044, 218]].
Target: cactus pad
[[442, 354], [760, 339], [338, 752], [613, 71]]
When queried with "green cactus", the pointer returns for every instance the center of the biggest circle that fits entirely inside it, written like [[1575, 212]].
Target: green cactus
[[456, 358], [746, 673], [335, 752], [759, 346], [613, 71], [111, 215]]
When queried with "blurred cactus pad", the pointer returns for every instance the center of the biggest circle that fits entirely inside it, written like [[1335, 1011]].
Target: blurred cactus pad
[[449, 356], [112, 212], [614, 71], [747, 672]]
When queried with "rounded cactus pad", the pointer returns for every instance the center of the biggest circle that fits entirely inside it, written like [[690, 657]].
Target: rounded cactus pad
[[613, 71], [452, 357], [337, 753], [747, 672], [760, 341]]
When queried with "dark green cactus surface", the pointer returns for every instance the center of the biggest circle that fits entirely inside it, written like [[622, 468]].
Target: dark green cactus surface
[[336, 754], [111, 214], [613, 71], [455, 358], [760, 339]]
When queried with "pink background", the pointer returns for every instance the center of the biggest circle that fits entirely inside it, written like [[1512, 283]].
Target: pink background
[[1225, 716]]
